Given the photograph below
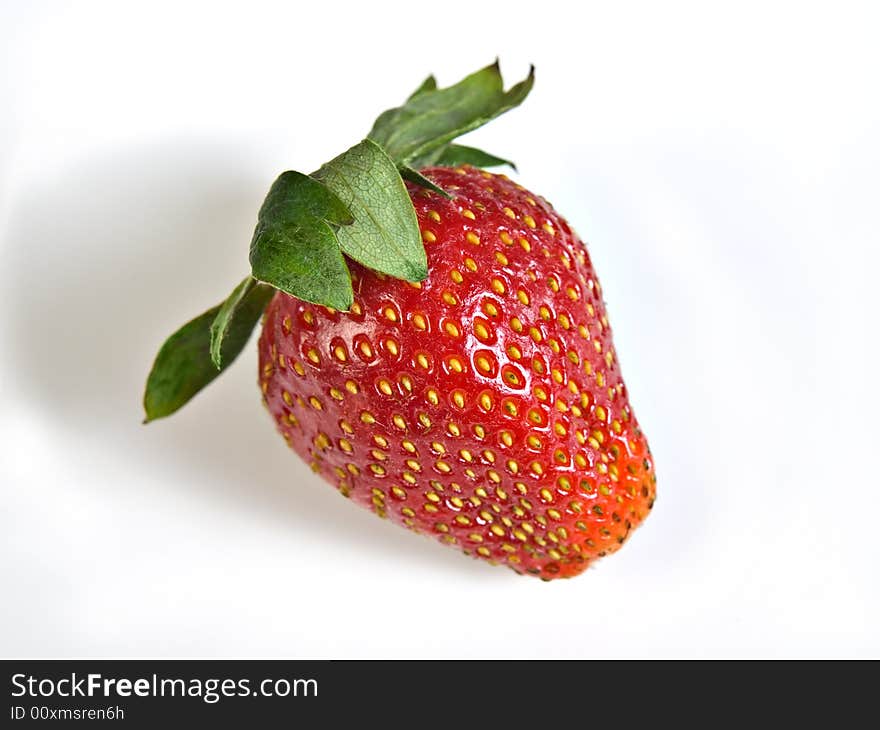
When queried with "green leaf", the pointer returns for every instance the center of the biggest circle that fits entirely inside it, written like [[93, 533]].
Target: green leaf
[[429, 84], [433, 117], [240, 310], [385, 234], [414, 176], [184, 365], [459, 154], [389, 117], [295, 248]]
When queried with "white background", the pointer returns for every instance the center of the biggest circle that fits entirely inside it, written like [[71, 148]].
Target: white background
[[721, 160]]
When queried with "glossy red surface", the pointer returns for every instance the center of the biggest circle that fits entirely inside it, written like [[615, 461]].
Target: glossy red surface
[[484, 407]]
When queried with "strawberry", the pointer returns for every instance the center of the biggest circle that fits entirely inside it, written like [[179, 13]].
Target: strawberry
[[484, 406], [438, 350]]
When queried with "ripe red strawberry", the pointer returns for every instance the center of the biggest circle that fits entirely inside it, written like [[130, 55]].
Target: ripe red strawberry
[[484, 406], [438, 351]]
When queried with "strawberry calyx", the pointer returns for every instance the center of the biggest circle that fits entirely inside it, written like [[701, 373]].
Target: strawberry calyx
[[356, 207]]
